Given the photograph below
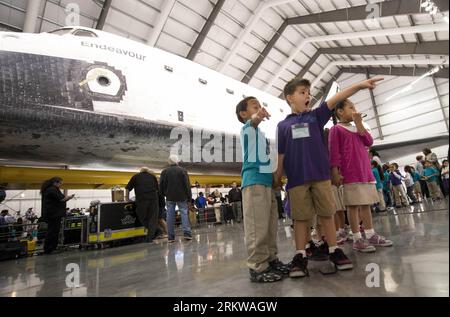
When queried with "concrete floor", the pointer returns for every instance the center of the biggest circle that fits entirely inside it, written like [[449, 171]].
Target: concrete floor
[[213, 264]]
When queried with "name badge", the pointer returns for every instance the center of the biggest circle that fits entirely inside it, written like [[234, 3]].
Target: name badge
[[300, 131]]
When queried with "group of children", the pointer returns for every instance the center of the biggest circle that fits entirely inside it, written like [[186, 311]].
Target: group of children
[[390, 184], [312, 170]]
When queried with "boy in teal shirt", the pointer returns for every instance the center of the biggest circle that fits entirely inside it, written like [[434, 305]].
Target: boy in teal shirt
[[431, 174], [259, 203]]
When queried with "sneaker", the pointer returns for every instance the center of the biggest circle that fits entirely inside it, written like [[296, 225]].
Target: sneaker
[[324, 248], [340, 260], [171, 240], [315, 253], [347, 229], [280, 266], [187, 237], [362, 245], [341, 238], [379, 241], [390, 208], [350, 236], [299, 266], [267, 276]]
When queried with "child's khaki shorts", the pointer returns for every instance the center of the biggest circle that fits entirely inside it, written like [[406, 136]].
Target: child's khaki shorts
[[312, 198]]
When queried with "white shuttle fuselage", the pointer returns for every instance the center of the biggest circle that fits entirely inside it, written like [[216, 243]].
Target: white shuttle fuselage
[[105, 100]]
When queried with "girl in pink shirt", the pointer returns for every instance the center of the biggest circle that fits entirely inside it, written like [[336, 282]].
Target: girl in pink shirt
[[351, 167]]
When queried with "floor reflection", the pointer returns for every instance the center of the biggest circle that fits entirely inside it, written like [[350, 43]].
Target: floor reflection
[[213, 264]]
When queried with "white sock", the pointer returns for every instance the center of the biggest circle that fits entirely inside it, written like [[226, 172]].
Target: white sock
[[303, 252], [357, 236], [332, 249], [369, 233]]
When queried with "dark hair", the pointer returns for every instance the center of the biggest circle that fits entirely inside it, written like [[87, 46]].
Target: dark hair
[[408, 170], [419, 157], [242, 106], [378, 167], [395, 165], [292, 85], [374, 152], [48, 183], [444, 161], [339, 105], [426, 151], [385, 167], [200, 194]]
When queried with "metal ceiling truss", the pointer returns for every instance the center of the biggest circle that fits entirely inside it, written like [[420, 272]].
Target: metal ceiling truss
[[204, 32], [387, 9]]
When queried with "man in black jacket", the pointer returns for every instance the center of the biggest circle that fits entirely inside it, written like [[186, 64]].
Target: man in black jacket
[[175, 186], [235, 198], [145, 186]]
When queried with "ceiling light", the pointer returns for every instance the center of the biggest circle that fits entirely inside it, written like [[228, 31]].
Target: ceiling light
[[431, 72], [435, 70], [405, 89]]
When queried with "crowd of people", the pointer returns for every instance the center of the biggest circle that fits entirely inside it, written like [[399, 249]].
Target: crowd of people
[[13, 227]]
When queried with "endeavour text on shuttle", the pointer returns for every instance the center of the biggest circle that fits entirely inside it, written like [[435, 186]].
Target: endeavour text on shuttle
[[115, 50]]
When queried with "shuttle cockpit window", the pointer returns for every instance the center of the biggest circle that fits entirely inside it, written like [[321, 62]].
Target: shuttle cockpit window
[[63, 31], [84, 33]]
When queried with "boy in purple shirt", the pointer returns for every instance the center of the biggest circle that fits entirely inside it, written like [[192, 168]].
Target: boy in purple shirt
[[302, 155]]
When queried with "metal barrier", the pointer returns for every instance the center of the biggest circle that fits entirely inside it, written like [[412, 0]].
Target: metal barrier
[[30, 236], [205, 216]]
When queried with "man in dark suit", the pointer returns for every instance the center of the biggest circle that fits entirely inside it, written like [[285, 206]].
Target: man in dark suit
[[145, 185], [235, 199]]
